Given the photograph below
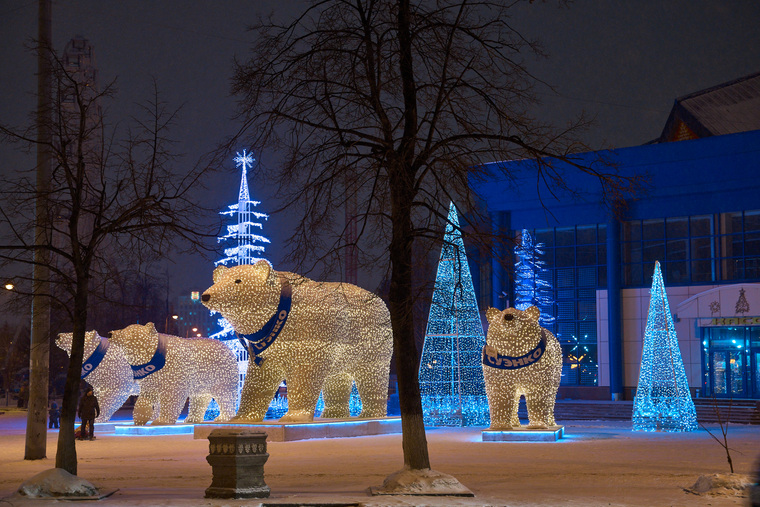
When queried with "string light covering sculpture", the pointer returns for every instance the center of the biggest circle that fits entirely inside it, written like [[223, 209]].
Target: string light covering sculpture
[[451, 378], [521, 358], [531, 288], [663, 401], [317, 336], [170, 369], [106, 369]]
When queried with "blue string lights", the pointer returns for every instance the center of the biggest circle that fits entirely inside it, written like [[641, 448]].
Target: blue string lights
[[451, 376], [663, 401], [531, 288]]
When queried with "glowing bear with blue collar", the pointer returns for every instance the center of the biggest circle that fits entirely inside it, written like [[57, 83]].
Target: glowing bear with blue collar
[[170, 369], [317, 336], [106, 369], [520, 358]]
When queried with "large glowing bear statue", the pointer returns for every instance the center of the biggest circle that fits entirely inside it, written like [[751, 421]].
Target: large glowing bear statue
[[106, 369], [170, 369], [520, 358], [317, 336]]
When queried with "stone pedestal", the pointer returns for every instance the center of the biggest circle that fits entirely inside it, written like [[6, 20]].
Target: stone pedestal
[[237, 458]]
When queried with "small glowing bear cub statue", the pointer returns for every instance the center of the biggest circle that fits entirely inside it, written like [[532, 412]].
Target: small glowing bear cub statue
[[520, 358], [317, 336], [106, 369], [170, 369]]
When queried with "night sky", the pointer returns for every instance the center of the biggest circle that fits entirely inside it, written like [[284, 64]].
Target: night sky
[[622, 62]]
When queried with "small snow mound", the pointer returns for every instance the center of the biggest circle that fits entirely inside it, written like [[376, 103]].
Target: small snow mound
[[721, 485], [421, 482], [56, 482]]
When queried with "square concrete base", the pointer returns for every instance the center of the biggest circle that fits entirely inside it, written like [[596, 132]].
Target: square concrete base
[[320, 428], [524, 434]]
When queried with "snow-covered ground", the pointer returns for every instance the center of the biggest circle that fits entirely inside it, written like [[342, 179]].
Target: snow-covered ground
[[597, 463]]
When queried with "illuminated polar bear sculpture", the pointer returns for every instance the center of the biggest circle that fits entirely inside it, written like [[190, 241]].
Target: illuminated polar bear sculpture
[[106, 369], [317, 336], [520, 358], [170, 369]]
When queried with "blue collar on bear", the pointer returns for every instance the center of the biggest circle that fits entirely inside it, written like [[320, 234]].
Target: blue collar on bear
[[92, 362], [258, 342], [496, 360], [140, 371]]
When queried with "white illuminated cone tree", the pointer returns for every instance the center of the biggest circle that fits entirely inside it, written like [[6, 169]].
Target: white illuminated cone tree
[[663, 401], [451, 375]]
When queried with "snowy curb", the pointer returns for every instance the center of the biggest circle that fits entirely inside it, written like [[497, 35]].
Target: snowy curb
[[425, 482], [59, 484]]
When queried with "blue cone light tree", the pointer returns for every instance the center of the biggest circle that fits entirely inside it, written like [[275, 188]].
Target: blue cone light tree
[[663, 401], [451, 376], [531, 286]]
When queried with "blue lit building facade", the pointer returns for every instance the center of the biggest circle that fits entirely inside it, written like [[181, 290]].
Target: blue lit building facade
[[699, 216]]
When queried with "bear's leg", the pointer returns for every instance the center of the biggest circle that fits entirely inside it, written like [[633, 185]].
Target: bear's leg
[[172, 403], [503, 407], [260, 384], [337, 394], [304, 386], [112, 399], [143, 411], [197, 408], [535, 401], [372, 384], [226, 402]]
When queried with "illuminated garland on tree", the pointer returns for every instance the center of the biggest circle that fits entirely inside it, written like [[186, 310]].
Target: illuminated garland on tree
[[663, 401], [530, 288], [451, 376]]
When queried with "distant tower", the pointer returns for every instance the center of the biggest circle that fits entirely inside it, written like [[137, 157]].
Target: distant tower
[[248, 249], [663, 401], [451, 375]]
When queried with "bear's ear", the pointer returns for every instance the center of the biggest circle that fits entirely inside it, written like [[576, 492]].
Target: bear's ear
[[492, 313], [151, 327], [219, 273], [64, 339], [265, 271], [533, 312]]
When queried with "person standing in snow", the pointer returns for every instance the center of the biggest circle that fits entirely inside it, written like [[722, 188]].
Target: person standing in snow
[[55, 414], [88, 411]]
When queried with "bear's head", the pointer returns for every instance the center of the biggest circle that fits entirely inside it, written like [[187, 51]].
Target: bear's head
[[247, 295], [513, 332], [91, 342], [137, 342]]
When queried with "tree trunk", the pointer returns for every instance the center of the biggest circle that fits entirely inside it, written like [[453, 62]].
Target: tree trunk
[[414, 441], [39, 354], [66, 455]]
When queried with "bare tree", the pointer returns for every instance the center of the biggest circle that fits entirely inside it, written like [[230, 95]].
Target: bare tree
[[407, 101], [113, 204]]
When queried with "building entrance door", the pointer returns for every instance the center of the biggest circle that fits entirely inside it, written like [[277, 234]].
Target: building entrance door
[[727, 374], [731, 361]]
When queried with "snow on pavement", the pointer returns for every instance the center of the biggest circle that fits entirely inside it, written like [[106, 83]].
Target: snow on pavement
[[597, 463]]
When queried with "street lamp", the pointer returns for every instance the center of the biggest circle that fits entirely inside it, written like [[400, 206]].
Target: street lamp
[[9, 285]]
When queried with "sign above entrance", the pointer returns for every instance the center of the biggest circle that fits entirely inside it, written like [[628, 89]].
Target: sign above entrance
[[730, 321]]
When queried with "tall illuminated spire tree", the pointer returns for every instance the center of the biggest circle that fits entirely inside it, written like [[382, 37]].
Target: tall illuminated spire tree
[[663, 401], [245, 233], [451, 376], [531, 287], [248, 248]]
